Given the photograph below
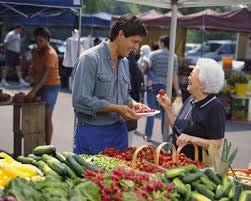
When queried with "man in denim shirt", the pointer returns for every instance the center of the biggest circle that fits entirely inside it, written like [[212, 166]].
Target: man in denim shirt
[[101, 88]]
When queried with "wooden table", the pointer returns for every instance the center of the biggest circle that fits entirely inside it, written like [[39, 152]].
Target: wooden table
[[28, 126]]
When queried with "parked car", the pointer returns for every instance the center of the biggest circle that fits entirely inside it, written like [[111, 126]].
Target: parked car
[[215, 49], [191, 46]]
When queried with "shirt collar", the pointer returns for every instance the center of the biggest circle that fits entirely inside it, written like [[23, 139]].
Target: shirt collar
[[203, 102]]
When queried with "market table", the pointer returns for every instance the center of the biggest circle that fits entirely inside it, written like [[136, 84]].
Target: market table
[[28, 125]]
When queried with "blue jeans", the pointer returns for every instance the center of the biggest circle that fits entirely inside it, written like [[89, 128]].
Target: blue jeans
[[152, 92], [49, 95]]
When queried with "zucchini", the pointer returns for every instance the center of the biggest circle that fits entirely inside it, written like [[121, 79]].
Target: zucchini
[[37, 158], [205, 180], [74, 165], [212, 176], [47, 170], [60, 157], [237, 193], [45, 149], [188, 195], [219, 193], [175, 172], [199, 197], [191, 177], [26, 160], [67, 153], [83, 162]]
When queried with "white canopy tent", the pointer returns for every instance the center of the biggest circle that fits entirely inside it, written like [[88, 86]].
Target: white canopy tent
[[174, 5]]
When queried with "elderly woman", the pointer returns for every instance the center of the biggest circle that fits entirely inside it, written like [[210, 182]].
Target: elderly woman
[[201, 120]]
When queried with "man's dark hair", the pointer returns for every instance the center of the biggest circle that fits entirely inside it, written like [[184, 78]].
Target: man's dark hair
[[130, 25], [17, 26], [165, 40], [42, 31]]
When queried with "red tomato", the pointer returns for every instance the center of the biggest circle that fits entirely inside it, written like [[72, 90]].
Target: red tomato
[[161, 92]]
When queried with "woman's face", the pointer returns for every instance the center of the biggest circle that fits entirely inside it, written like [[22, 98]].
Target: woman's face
[[41, 42], [194, 83]]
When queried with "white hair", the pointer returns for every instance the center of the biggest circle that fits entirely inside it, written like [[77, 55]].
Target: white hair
[[145, 51], [211, 74]]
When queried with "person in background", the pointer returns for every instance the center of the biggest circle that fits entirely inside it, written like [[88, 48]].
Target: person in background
[[136, 80], [96, 41], [202, 118], [101, 88], [144, 64], [46, 76], [159, 66], [12, 44]]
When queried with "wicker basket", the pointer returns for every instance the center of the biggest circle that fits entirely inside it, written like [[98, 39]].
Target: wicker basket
[[160, 147], [135, 154]]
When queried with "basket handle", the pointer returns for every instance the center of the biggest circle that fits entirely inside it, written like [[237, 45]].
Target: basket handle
[[135, 154], [196, 151], [159, 148]]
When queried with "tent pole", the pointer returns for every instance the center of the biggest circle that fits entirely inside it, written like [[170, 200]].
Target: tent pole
[[169, 83], [80, 26]]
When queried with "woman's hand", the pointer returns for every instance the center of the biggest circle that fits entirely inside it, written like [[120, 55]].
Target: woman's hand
[[164, 101], [183, 139]]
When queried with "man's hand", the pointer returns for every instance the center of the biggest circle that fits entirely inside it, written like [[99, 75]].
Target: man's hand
[[127, 113], [140, 106], [183, 139]]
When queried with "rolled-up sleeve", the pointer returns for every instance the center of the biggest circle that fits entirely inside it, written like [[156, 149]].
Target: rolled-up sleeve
[[83, 86]]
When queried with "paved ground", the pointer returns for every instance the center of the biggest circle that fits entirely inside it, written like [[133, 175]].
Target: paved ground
[[238, 133]]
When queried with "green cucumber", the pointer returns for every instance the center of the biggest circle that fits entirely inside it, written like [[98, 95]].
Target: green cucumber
[[227, 188], [45, 149], [245, 196], [219, 193], [199, 197], [83, 162], [224, 199], [191, 177], [205, 180], [175, 172], [57, 167], [70, 172], [74, 165], [60, 157], [237, 193], [37, 158], [212, 176], [179, 186], [232, 191], [26, 160], [204, 191], [47, 170]]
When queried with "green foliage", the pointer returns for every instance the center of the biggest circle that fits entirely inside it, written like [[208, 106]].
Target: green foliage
[[237, 77]]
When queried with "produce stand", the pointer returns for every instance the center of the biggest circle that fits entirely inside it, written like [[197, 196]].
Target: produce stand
[[28, 125], [68, 176]]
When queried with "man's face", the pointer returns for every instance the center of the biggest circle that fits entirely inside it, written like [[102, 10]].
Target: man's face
[[41, 42], [127, 44]]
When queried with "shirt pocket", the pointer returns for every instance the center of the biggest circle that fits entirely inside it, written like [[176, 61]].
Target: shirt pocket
[[125, 86], [103, 86]]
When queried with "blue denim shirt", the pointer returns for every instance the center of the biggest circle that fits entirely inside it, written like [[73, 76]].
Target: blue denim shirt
[[97, 84]]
